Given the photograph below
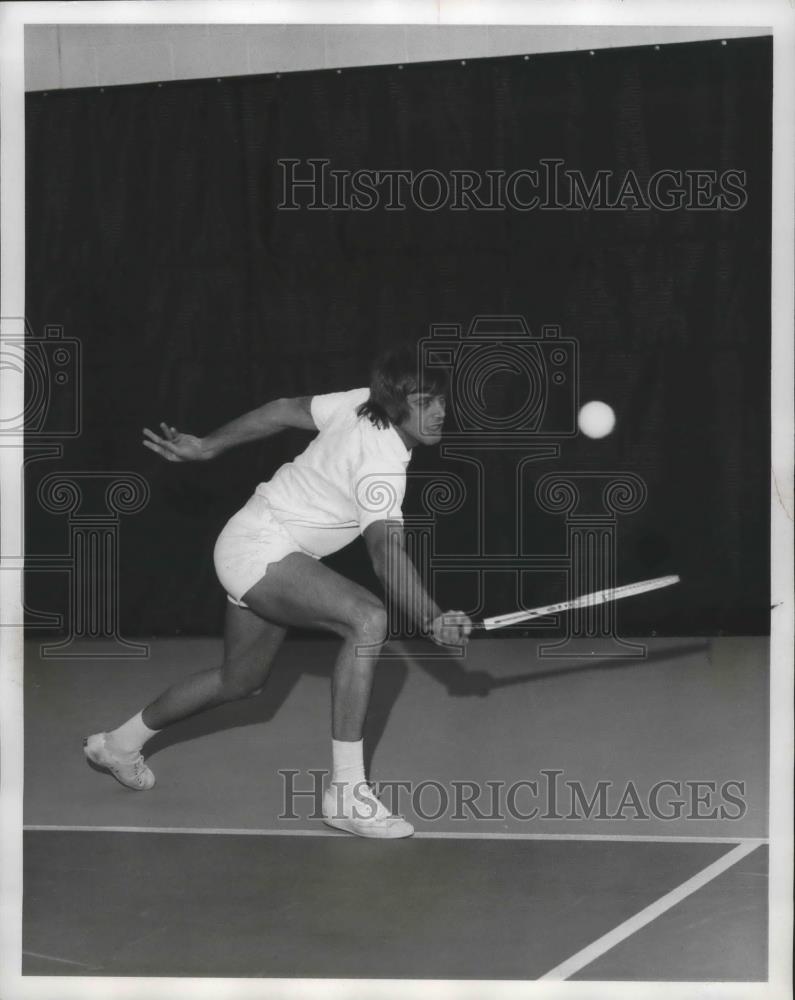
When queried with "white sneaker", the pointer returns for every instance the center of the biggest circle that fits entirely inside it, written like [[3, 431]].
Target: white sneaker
[[362, 813], [128, 768]]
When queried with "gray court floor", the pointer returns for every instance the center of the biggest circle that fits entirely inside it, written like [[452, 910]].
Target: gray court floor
[[113, 877]]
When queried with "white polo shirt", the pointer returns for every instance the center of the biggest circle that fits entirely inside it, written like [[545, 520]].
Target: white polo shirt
[[352, 474]]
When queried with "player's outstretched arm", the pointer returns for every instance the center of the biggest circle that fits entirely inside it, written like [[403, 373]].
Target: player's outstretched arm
[[400, 579], [263, 422]]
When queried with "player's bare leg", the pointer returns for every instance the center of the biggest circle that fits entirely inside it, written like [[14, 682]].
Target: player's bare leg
[[300, 591], [297, 591], [250, 646]]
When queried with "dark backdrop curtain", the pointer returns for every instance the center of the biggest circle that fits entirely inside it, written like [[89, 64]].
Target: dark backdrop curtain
[[154, 238]]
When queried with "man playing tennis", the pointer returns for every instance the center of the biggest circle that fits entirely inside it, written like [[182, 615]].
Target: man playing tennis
[[350, 480]]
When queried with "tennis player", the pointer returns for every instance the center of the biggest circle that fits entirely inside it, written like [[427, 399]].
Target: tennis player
[[350, 480]]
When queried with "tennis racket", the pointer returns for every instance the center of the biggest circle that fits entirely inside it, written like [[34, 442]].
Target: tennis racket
[[585, 601]]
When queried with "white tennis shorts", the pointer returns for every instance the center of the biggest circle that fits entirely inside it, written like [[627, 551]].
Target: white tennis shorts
[[251, 540]]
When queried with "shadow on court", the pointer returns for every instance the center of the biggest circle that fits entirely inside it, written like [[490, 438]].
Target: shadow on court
[[450, 672], [389, 681], [502, 714], [453, 675]]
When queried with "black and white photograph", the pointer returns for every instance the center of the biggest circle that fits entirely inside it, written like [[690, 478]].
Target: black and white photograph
[[396, 443]]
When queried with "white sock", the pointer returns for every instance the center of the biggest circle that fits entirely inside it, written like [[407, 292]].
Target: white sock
[[348, 759], [351, 791], [131, 736]]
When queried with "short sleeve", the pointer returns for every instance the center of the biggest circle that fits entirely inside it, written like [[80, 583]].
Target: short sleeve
[[379, 494], [323, 408], [380, 485]]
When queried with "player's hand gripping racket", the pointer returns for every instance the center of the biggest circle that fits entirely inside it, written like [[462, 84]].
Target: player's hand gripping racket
[[585, 601]]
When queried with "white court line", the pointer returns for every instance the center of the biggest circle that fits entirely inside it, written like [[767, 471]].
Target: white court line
[[603, 944], [421, 834]]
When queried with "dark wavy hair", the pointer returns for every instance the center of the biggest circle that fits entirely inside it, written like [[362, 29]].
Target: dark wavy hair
[[396, 374]]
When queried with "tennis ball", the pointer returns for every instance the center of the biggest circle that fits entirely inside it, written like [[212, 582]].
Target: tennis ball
[[596, 419]]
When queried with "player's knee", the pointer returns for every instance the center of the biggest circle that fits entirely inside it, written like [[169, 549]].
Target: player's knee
[[368, 622]]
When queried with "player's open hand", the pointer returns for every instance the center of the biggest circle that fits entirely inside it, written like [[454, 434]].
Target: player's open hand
[[451, 629], [174, 446]]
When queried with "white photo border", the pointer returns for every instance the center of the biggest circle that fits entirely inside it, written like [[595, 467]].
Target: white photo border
[[779, 16]]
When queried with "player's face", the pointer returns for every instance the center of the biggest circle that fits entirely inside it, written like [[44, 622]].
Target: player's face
[[423, 425]]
